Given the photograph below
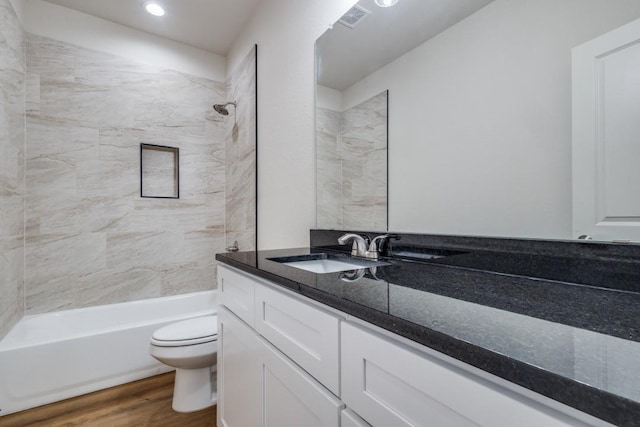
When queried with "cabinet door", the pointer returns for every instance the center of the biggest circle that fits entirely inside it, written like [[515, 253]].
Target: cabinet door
[[239, 391], [389, 384], [606, 130], [305, 333], [235, 291], [292, 398]]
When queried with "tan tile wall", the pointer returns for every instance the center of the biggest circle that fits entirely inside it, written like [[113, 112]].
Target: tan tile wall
[[90, 238], [240, 144], [12, 186], [352, 166]]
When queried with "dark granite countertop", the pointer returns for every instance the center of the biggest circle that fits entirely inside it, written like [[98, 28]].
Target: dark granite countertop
[[575, 340]]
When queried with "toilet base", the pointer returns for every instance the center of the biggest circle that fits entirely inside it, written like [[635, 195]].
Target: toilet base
[[194, 389]]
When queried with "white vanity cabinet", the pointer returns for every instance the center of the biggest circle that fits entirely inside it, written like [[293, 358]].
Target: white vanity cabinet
[[291, 362], [389, 384], [257, 384]]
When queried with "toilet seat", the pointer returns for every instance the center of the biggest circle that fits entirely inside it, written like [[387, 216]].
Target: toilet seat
[[187, 332]]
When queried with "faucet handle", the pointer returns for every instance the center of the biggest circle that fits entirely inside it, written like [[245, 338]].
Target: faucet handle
[[374, 246]]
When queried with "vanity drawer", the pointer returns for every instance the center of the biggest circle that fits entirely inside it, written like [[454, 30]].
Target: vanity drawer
[[389, 384], [236, 292], [306, 334]]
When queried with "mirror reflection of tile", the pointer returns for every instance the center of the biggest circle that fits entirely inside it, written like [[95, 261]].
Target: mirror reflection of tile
[[159, 171]]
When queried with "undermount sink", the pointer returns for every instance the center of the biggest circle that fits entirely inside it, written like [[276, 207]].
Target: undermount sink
[[327, 263]]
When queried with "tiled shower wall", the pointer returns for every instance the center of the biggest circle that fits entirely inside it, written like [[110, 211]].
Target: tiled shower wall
[[12, 187], [240, 150], [90, 238], [352, 166]]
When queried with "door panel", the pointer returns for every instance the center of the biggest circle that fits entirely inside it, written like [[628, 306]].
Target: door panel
[[239, 399], [606, 136], [292, 398]]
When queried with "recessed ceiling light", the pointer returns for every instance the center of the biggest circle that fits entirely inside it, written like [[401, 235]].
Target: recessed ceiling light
[[386, 3], [154, 8]]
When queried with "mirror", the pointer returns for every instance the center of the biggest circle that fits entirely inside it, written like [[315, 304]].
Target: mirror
[[480, 114]]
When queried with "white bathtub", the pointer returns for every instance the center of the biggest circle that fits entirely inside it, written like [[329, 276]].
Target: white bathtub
[[53, 356]]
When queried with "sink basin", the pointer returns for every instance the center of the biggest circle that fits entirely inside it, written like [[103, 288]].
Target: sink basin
[[327, 263]]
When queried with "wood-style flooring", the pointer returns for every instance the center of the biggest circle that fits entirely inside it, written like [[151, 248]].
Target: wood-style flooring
[[141, 403]]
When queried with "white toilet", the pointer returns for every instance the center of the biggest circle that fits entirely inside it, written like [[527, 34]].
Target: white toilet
[[190, 346]]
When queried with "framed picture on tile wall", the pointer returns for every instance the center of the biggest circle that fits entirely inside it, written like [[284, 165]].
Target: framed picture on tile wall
[[159, 171]]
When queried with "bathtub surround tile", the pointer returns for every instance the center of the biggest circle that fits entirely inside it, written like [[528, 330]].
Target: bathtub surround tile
[[328, 169], [11, 282], [175, 215], [11, 213], [86, 105], [77, 215], [91, 239], [187, 279], [99, 68], [54, 265], [201, 172], [215, 219], [33, 93], [200, 247], [50, 58], [158, 250], [56, 255], [240, 143], [12, 166], [54, 295], [58, 176], [56, 139], [352, 166], [70, 180], [97, 177], [118, 286]]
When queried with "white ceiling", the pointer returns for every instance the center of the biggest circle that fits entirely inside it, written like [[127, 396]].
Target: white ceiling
[[348, 55], [212, 25]]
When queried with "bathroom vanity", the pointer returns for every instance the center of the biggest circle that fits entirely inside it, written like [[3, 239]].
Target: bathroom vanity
[[427, 341]]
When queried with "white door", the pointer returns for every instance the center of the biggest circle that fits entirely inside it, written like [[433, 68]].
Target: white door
[[292, 398], [606, 136], [239, 386]]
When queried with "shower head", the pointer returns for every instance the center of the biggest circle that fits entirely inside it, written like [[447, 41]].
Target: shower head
[[222, 108]]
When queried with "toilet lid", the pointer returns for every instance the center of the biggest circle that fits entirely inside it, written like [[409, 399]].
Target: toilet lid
[[188, 332]]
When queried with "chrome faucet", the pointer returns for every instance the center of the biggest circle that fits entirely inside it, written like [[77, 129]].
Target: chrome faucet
[[359, 248]]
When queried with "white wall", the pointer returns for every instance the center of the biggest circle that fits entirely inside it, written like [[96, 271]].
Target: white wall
[[480, 119], [60, 23], [328, 98], [285, 32]]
